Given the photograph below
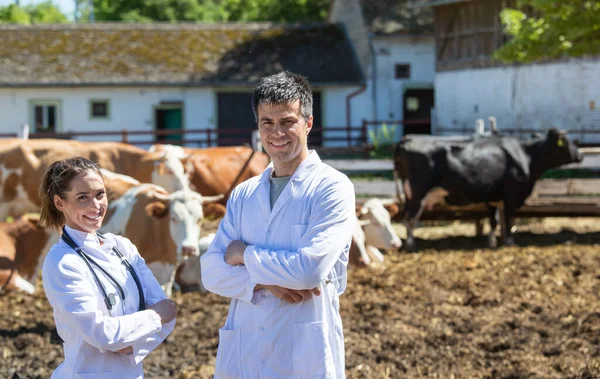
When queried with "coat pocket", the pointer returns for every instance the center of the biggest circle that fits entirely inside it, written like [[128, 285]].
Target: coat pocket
[[312, 356], [228, 355]]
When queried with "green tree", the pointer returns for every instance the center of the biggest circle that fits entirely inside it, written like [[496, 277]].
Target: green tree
[[208, 10], [41, 13], [550, 29], [13, 14]]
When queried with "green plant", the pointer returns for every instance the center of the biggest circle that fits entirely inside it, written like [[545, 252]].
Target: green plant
[[383, 140]]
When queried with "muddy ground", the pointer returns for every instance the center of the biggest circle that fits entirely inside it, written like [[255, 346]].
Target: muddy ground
[[455, 309]]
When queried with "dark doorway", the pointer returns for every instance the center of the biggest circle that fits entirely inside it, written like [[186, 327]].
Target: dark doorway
[[236, 119], [315, 138], [417, 106], [169, 117]]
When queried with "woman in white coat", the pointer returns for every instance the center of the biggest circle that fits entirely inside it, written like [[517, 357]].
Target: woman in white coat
[[109, 309]]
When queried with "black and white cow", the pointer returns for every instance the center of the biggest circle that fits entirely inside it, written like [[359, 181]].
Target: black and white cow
[[495, 170]]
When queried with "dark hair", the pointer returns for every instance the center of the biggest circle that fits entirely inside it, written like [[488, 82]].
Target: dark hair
[[57, 181], [283, 88]]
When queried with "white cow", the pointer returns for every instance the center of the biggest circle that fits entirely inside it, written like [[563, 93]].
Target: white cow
[[374, 231]]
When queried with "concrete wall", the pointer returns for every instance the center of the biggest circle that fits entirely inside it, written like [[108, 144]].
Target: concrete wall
[[565, 95]]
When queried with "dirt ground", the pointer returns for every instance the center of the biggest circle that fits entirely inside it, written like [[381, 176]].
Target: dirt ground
[[453, 310]]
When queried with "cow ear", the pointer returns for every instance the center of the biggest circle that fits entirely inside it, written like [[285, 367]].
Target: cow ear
[[553, 133], [214, 211], [156, 209], [393, 209], [363, 222], [160, 168]]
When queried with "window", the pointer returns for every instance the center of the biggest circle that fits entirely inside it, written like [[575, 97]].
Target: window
[[412, 104], [402, 71], [45, 115], [99, 109]]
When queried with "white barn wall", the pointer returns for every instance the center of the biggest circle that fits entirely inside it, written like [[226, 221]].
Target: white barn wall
[[565, 95], [419, 52], [130, 108], [334, 110], [133, 108]]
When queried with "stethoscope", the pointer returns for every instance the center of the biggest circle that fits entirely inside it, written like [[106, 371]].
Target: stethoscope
[[109, 299]]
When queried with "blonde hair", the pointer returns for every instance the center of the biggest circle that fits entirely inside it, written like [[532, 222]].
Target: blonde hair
[[57, 181]]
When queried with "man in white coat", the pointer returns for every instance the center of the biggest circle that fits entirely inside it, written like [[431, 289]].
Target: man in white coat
[[281, 250]]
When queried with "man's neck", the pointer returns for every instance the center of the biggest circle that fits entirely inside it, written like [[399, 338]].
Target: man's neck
[[288, 168]]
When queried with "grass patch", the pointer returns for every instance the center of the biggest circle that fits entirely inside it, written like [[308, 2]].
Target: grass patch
[[370, 176], [572, 173]]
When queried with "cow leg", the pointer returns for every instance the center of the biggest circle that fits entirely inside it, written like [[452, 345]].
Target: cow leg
[[478, 227], [493, 214], [411, 223], [376, 254], [509, 217]]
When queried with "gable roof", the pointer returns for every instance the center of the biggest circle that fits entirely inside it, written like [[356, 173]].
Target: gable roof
[[120, 54], [389, 17]]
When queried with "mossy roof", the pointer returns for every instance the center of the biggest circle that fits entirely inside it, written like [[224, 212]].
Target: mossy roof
[[174, 54]]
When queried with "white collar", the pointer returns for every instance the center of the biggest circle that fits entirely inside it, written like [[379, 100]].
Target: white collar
[[87, 239]]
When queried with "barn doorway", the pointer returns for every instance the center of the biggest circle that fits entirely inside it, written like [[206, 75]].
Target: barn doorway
[[417, 106], [169, 116]]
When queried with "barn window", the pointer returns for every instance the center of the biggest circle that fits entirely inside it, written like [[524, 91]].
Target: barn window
[[412, 103], [99, 109], [45, 115], [402, 71]]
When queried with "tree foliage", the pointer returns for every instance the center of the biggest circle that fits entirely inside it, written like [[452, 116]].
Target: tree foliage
[[45, 12], [551, 29], [208, 10]]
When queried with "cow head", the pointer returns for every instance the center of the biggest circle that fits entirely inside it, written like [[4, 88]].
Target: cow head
[[184, 209], [377, 225], [169, 172], [560, 150]]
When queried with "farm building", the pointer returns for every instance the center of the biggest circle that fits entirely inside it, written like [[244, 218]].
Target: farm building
[[470, 84], [147, 77], [395, 46]]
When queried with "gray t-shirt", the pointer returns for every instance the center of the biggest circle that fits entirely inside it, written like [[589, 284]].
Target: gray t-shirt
[[277, 185]]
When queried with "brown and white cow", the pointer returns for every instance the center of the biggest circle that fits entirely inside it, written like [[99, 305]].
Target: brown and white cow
[[374, 231], [164, 227], [162, 168], [23, 164], [23, 245], [214, 170]]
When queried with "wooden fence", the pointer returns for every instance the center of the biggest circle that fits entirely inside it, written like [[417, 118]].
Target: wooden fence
[[348, 136]]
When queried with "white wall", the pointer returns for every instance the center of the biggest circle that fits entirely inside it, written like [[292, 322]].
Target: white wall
[[532, 96], [130, 108], [419, 53], [334, 111]]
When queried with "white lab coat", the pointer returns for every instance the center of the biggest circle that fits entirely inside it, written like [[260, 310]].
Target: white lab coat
[[301, 243], [91, 335]]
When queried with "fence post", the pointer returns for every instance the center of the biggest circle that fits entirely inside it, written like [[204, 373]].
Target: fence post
[[256, 142], [25, 131], [348, 135], [124, 136], [364, 131]]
